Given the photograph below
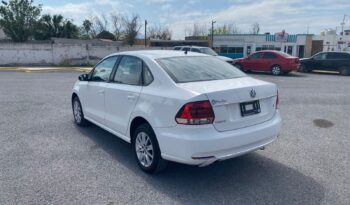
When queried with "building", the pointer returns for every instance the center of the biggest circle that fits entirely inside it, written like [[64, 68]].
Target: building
[[172, 43], [241, 45], [329, 40]]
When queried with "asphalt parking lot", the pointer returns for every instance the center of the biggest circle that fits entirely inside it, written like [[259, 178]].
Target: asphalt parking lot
[[46, 159]]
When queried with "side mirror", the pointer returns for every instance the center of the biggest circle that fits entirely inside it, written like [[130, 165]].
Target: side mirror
[[83, 77]]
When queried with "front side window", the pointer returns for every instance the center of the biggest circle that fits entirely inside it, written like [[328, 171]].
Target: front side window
[[186, 49], [320, 56], [104, 69], [255, 56], [129, 71], [198, 68]]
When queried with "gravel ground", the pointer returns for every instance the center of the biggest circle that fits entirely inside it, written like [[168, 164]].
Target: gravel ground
[[46, 159]]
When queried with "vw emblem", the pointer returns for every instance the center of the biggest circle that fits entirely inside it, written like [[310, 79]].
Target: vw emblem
[[252, 93]]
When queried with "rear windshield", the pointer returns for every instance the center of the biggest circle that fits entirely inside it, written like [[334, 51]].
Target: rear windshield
[[198, 68], [208, 51]]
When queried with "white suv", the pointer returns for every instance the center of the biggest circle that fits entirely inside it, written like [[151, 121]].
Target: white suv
[[204, 50], [189, 108]]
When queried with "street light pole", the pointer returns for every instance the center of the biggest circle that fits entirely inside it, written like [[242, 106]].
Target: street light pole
[[212, 33], [343, 23], [145, 33]]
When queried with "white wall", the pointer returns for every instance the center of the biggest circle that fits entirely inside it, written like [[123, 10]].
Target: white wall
[[330, 42], [53, 53]]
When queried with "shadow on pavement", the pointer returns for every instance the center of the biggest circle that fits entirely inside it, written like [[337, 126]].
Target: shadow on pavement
[[250, 179]]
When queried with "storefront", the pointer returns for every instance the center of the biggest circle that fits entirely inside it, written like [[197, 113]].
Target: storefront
[[241, 45]]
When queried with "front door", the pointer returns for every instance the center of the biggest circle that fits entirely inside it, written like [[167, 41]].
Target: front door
[[253, 62], [123, 93], [319, 61], [93, 93]]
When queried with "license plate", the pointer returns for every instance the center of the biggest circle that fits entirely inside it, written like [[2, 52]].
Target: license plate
[[250, 108]]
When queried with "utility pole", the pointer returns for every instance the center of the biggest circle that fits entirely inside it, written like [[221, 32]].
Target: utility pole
[[145, 33], [212, 33], [343, 23]]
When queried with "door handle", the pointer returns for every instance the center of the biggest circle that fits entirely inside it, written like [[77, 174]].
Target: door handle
[[101, 92]]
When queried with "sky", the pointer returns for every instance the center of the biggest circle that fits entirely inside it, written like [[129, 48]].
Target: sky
[[294, 16]]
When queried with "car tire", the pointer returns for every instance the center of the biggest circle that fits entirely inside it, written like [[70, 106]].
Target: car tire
[[78, 113], [276, 70], [344, 70], [147, 151]]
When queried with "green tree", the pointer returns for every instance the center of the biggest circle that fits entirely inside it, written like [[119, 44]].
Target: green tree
[[87, 26], [18, 19], [106, 35], [55, 27], [69, 30]]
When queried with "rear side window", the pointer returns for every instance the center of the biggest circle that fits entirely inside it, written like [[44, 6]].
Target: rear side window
[[147, 75], [198, 68], [269, 55], [337, 56], [129, 71], [177, 48], [195, 50]]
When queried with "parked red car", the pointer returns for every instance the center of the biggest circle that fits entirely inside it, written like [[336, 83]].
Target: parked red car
[[272, 61]]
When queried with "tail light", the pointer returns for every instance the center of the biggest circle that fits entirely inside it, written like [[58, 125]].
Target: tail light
[[277, 100], [195, 113]]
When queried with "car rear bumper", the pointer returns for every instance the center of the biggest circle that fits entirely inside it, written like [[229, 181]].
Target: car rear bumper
[[203, 145]]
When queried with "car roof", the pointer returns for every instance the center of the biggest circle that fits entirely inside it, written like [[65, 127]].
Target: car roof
[[156, 54], [273, 51], [191, 46]]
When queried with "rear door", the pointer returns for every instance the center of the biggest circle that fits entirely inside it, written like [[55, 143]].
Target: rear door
[[268, 59], [335, 60], [93, 93], [123, 92]]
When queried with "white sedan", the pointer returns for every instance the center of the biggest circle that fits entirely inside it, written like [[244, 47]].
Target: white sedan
[[189, 108]]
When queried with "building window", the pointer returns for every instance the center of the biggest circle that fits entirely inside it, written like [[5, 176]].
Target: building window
[[230, 50], [267, 47]]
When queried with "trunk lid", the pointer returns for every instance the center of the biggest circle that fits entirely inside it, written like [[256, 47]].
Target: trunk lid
[[226, 97]]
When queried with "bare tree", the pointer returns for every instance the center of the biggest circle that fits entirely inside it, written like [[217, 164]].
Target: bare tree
[[158, 32], [227, 29], [100, 24], [117, 26], [132, 27], [255, 28], [199, 30]]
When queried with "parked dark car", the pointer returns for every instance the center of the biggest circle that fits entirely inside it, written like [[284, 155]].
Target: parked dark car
[[272, 61], [328, 61]]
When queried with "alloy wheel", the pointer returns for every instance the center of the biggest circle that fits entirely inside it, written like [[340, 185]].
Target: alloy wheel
[[144, 149], [276, 70], [77, 111]]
